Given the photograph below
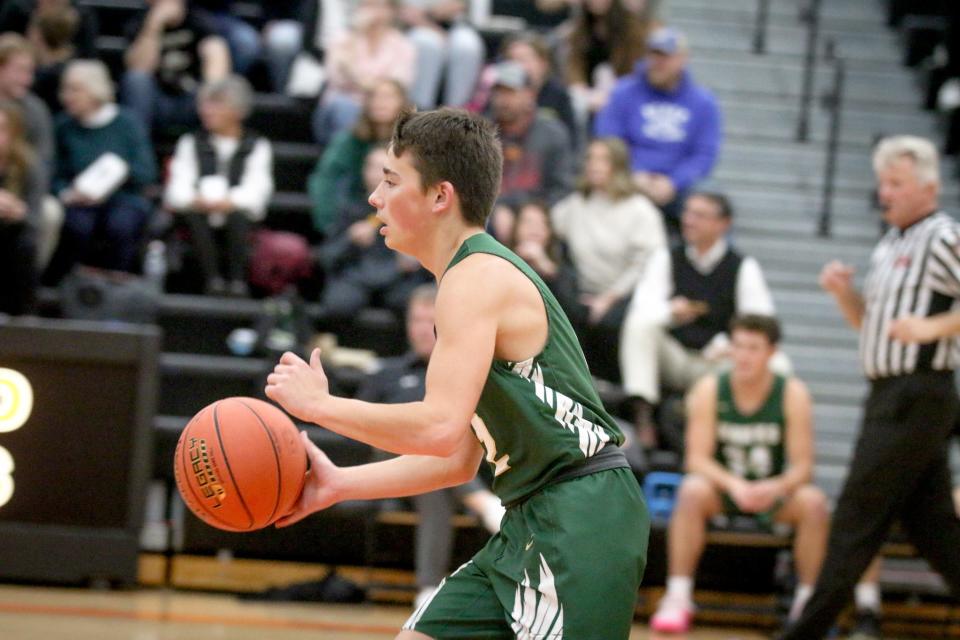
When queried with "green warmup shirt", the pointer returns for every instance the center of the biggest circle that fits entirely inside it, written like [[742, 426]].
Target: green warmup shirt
[[751, 446], [540, 417]]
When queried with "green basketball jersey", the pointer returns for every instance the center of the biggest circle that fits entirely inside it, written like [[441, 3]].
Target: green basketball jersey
[[751, 446], [542, 417]]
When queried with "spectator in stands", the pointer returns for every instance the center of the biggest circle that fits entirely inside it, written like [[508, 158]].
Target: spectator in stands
[[611, 230], [22, 185], [532, 238], [359, 268], [51, 33], [530, 51], [449, 50], [16, 76], [749, 453], [670, 124], [537, 153], [221, 180], [172, 51], [356, 60], [17, 67], [241, 37], [16, 15], [402, 379], [603, 42], [675, 330], [104, 161], [338, 177], [291, 27]]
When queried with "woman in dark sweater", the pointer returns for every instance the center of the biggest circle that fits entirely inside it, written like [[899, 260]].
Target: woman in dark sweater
[[102, 226], [22, 185]]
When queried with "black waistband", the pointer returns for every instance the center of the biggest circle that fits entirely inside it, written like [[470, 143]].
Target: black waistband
[[610, 457], [929, 374]]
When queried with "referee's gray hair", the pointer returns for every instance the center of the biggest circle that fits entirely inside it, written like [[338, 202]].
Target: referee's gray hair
[[926, 160], [95, 77], [233, 89]]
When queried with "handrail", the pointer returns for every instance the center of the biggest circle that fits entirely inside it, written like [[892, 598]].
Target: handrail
[[810, 15], [760, 27], [833, 101]]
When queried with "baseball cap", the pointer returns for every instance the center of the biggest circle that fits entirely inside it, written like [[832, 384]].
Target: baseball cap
[[666, 40], [510, 75]]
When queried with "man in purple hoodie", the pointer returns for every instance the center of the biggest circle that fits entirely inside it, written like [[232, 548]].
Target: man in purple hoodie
[[670, 124]]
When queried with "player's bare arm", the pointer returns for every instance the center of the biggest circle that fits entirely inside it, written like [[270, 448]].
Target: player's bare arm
[[468, 324], [701, 436], [837, 279], [924, 330], [799, 435], [328, 484]]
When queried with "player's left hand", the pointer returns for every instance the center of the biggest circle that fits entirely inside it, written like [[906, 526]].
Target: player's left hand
[[299, 387], [914, 329], [319, 487]]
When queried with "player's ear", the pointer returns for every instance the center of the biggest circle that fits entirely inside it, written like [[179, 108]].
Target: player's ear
[[443, 196]]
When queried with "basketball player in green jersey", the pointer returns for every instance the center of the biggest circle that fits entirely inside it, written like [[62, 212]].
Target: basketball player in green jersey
[[749, 450], [507, 381]]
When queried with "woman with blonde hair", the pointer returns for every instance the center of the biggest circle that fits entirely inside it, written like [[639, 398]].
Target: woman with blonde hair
[[337, 180], [611, 229], [22, 185]]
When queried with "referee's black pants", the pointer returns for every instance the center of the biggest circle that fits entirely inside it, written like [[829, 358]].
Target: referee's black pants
[[899, 470]]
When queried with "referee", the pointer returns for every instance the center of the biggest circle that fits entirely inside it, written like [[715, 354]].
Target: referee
[[909, 321]]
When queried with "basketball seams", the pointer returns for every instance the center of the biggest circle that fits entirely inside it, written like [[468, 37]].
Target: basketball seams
[[276, 457], [226, 463], [185, 474]]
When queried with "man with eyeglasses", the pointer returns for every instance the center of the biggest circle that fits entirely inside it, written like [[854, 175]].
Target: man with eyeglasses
[[676, 328]]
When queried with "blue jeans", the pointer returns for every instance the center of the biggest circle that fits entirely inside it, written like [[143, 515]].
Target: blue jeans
[[106, 235], [242, 39], [335, 113], [141, 93]]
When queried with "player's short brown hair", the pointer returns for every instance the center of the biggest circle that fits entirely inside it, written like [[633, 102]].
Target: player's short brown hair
[[757, 323], [456, 146]]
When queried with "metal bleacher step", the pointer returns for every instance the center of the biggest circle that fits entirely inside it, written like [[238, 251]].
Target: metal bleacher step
[[751, 76], [839, 11]]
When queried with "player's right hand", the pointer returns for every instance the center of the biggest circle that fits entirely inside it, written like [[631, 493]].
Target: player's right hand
[[318, 489], [298, 387]]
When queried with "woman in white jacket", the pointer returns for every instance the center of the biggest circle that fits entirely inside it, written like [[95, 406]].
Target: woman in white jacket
[[610, 229]]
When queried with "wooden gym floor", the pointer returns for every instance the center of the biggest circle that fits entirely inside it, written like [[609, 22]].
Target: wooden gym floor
[[195, 597], [44, 613]]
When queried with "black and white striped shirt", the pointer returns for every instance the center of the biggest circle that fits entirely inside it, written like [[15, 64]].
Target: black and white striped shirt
[[913, 272]]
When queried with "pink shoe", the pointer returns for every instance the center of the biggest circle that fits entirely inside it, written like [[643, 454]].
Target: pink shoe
[[674, 615]]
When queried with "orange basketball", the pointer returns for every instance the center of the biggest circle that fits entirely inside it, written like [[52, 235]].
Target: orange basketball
[[240, 464]]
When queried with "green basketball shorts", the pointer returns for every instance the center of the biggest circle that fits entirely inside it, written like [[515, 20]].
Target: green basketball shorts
[[566, 564]]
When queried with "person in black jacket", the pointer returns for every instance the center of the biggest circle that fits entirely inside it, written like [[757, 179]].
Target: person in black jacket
[[359, 269]]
